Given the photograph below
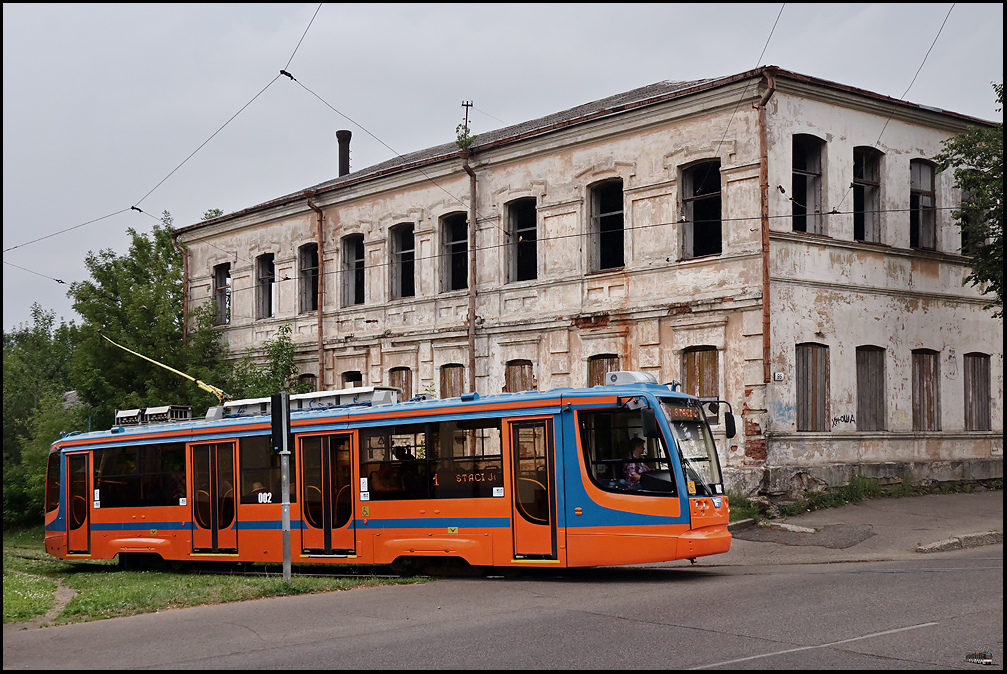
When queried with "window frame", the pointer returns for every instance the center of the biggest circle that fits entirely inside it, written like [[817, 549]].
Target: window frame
[[812, 179], [222, 292], [922, 216], [523, 240], [265, 286], [403, 267], [867, 194], [608, 227], [354, 270], [691, 200], [308, 280], [454, 252]]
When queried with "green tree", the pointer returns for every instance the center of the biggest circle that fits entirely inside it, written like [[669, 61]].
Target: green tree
[[136, 301], [258, 378], [36, 369], [977, 156]]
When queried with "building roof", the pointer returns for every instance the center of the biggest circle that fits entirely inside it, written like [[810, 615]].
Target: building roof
[[636, 98]]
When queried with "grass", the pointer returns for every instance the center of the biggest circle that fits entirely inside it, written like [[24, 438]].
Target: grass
[[859, 489], [30, 578]]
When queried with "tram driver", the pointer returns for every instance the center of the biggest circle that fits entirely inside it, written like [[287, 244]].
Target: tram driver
[[634, 467]]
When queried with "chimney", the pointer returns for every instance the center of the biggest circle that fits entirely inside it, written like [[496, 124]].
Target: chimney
[[343, 138]]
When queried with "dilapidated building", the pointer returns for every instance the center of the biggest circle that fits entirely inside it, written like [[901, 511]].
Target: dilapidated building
[[780, 241]]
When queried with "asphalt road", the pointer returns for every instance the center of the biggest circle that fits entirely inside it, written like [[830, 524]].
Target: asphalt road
[[926, 612]]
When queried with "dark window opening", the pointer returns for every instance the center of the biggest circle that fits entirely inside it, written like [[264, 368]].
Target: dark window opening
[[922, 206], [352, 379], [139, 475], [307, 382], [353, 269], [222, 292], [806, 185], [607, 225], [702, 209], [308, 259], [523, 216], [265, 286], [455, 236], [403, 262], [866, 194]]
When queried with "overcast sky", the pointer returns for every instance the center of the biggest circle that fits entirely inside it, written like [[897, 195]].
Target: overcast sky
[[101, 103]]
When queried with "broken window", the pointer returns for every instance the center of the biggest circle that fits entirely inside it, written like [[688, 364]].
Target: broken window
[[607, 248], [222, 292], [806, 186], [455, 251], [265, 286], [352, 379], [402, 378], [926, 391], [702, 210], [922, 206], [600, 365], [812, 387], [522, 221], [977, 392], [866, 194], [701, 373], [353, 269], [307, 258], [519, 376], [307, 383], [870, 388], [452, 380], [403, 261]]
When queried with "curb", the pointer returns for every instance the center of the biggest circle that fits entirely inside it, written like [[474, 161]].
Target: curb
[[966, 541], [741, 525]]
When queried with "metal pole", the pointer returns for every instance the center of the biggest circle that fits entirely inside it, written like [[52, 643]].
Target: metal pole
[[285, 482]]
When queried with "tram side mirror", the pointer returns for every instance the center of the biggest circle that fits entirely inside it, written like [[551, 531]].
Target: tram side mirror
[[729, 426], [651, 429]]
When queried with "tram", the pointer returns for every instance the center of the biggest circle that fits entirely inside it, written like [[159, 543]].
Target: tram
[[623, 473]]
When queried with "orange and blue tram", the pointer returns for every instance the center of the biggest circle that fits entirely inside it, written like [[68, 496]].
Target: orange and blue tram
[[623, 473]]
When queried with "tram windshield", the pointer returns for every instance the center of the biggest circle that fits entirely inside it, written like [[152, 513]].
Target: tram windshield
[[695, 445]]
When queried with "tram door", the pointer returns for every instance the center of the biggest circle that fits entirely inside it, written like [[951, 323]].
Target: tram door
[[533, 501], [213, 499], [78, 500], [327, 526]]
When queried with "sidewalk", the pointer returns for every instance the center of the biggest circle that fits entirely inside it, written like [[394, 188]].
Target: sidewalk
[[872, 530]]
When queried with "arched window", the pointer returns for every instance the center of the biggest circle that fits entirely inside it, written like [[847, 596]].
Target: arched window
[[452, 380], [519, 376], [402, 378]]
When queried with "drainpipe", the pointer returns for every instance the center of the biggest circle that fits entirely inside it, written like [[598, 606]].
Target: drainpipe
[[770, 74], [321, 289], [472, 266], [185, 286]]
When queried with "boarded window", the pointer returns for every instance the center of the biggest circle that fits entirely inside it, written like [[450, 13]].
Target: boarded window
[[600, 365], [455, 251], [265, 286], [607, 223], [519, 376], [402, 378], [307, 257], [523, 222], [452, 380], [867, 194], [812, 387], [222, 293], [922, 205], [926, 391], [403, 261], [701, 373], [702, 209], [870, 388], [977, 392], [353, 269], [806, 185]]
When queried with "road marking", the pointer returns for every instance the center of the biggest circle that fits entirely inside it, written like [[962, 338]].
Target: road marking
[[808, 648]]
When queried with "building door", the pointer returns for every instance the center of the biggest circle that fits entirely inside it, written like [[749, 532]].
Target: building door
[[215, 529], [533, 501], [78, 501], [327, 495]]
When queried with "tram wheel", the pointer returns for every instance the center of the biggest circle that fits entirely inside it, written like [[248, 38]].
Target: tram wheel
[[406, 567]]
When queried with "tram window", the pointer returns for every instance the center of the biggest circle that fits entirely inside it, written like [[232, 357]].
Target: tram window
[[52, 483], [139, 475], [423, 461], [260, 472], [608, 439]]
